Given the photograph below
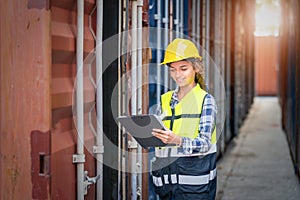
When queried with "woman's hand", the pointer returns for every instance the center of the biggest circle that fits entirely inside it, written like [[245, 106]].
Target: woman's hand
[[167, 136]]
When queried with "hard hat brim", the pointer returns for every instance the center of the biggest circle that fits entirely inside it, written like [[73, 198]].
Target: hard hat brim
[[168, 62]]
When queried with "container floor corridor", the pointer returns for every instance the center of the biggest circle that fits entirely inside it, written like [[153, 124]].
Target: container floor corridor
[[257, 164]]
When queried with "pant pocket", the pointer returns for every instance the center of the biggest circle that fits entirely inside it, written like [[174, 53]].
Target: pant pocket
[[193, 175], [160, 178]]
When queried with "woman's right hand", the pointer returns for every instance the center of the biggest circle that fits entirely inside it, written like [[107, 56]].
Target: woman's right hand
[[167, 136]]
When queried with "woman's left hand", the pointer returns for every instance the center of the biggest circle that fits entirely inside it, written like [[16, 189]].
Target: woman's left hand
[[167, 136]]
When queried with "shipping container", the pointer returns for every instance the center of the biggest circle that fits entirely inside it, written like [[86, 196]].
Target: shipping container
[[289, 77], [266, 69]]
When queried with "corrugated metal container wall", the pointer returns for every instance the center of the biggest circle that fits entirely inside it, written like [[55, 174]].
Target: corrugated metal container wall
[[239, 63], [238, 66], [231, 45], [250, 53], [228, 43], [243, 55], [217, 75], [64, 134], [297, 110], [289, 76], [25, 99], [111, 27], [266, 54], [135, 185]]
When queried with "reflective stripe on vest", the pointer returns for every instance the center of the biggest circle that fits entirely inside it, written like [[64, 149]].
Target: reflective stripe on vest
[[184, 120], [186, 179]]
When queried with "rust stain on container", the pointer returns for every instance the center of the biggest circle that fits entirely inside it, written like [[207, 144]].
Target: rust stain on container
[[39, 4], [24, 94]]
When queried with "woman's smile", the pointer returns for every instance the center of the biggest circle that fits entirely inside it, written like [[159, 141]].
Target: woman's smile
[[179, 80]]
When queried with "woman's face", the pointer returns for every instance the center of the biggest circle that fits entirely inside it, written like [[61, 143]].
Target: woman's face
[[183, 73]]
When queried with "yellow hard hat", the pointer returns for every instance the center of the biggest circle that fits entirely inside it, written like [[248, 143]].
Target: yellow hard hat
[[180, 49]]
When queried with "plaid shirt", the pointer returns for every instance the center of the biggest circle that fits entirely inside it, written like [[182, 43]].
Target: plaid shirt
[[207, 122]]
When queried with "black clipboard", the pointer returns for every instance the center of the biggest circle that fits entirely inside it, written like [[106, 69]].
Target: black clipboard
[[140, 127]]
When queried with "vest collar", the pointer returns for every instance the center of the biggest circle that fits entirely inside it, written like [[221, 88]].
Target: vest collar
[[175, 93]]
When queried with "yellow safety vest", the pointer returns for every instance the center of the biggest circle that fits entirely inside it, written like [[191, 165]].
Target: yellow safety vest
[[184, 119]]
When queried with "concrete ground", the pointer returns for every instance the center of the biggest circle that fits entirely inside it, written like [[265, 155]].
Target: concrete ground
[[257, 164]]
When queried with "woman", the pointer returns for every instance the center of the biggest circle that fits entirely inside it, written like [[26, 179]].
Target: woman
[[187, 168]]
